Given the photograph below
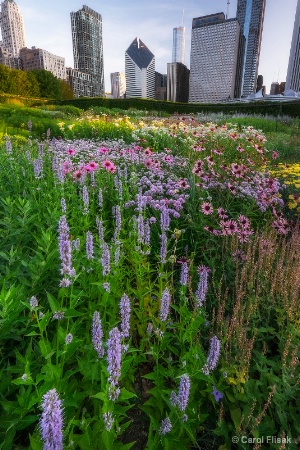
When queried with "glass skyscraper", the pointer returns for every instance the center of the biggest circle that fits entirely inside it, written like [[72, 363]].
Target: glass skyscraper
[[250, 14], [178, 52], [88, 47], [12, 27], [293, 73]]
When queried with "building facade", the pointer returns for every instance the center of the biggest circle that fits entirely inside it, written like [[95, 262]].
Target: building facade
[[215, 46], [178, 52], [118, 84], [36, 58], [293, 72], [178, 77], [8, 60], [87, 41], [250, 14], [12, 27], [160, 86], [139, 71], [81, 83]]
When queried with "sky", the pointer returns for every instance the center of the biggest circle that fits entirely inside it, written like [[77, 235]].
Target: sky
[[48, 26]]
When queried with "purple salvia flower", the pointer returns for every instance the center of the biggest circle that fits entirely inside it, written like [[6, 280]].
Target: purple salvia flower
[[140, 228], [89, 245], [65, 250], [63, 205], [51, 421], [108, 420], [165, 427], [33, 302], [38, 167], [147, 232], [60, 173], [65, 282], [173, 399], [114, 354], [163, 248], [165, 219], [41, 150], [118, 220], [201, 291], [85, 198], [8, 146], [69, 338], [184, 392], [213, 356], [29, 124], [75, 244], [97, 334], [100, 198], [165, 305], [184, 274], [125, 315], [105, 259]]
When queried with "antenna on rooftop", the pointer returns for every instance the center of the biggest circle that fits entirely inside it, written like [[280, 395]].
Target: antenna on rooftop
[[227, 13]]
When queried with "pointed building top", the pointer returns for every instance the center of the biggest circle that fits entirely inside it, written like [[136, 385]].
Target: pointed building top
[[140, 53]]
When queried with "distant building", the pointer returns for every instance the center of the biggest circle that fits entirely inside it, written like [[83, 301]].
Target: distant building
[[178, 77], [282, 87], [215, 50], [86, 27], [250, 14], [293, 72], [178, 52], [274, 88], [259, 82], [7, 59], [36, 58], [81, 83], [118, 84], [139, 71], [160, 86], [12, 27]]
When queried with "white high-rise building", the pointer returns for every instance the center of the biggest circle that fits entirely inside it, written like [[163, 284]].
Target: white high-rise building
[[118, 84], [178, 52], [12, 27], [293, 72], [214, 58], [139, 71]]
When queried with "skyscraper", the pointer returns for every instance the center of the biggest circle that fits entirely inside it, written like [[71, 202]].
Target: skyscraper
[[293, 72], [12, 27], [178, 52], [139, 71], [214, 68], [250, 14], [118, 84], [178, 76], [88, 47]]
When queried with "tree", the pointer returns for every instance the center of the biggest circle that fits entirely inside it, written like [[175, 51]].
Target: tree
[[49, 85], [66, 90], [4, 79]]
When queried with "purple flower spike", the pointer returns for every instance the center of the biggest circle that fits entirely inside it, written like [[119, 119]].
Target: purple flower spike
[[97, 334], [184, 392], [165, 305], [184, 274], [125, 315], [166, 426], [213, 357], [114, 354], [89, 245], [51, 421]]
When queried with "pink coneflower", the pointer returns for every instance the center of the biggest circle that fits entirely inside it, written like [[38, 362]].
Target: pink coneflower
[[275, 155], [71, 151], [93, 165], [148, 151], [229, 226], [68, 166], [109, 166], [112, 169], [103, 150], [240, 149], [244, 221], [207, 208], [222, 213], [78, 175], [183, 184], [218, 152], [148, 163]]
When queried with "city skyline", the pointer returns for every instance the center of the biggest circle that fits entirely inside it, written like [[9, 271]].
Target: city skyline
[[154, 23]]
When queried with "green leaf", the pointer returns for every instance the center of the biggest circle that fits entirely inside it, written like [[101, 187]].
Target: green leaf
[[54, 305], [125, 395], [236, 415]]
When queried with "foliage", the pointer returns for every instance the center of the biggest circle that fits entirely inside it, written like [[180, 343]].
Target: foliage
[[163, 244]]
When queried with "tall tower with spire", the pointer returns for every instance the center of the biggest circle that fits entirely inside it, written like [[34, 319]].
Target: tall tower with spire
[[12, 27]]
